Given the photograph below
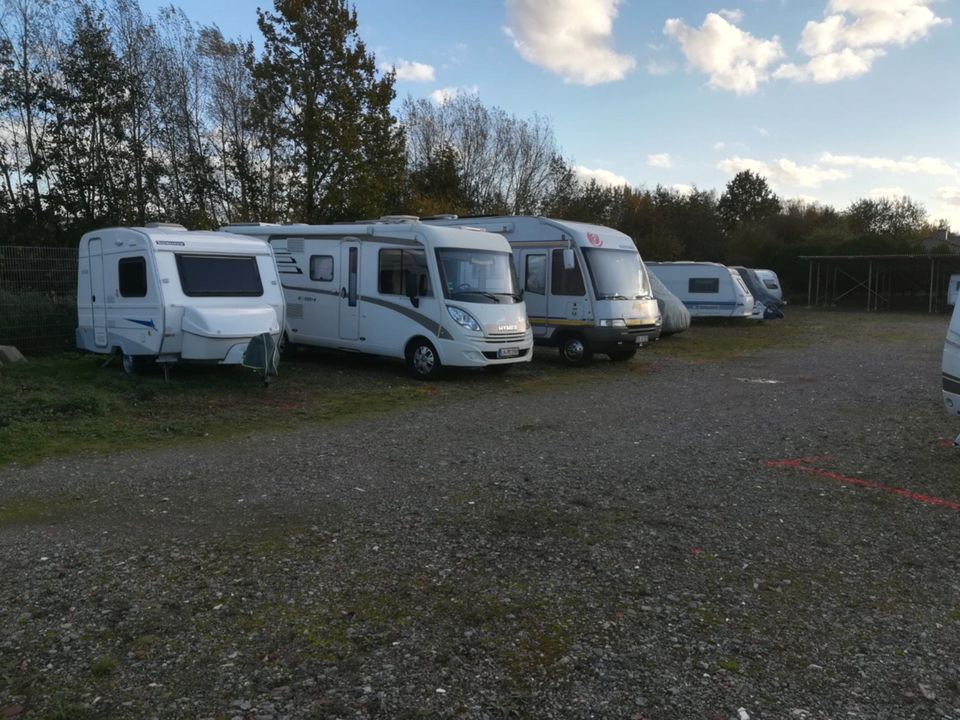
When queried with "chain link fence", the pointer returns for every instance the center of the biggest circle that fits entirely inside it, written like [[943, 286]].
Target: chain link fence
[[38, 298]]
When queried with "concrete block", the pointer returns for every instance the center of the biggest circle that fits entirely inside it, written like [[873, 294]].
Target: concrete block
[[9, 354]]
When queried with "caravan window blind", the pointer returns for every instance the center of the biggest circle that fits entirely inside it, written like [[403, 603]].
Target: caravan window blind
[[219, 276]]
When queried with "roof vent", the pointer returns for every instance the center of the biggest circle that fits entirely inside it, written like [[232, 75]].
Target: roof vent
[[165, 226], [399, 219]]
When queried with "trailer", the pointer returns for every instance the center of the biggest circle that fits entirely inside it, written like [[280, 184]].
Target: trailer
[[951, 366], [396, 287], [707, 289], [586, 287], [162, 294], [772, 283], [767, 302]]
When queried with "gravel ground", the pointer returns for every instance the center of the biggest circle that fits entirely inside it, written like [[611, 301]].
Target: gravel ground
[[621, 547]]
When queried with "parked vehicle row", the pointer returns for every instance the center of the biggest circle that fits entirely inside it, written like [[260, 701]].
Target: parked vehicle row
[[713, 290], [444, 291]]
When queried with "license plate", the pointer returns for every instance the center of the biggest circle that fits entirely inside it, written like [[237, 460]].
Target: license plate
[[508, 352], [641, 339]]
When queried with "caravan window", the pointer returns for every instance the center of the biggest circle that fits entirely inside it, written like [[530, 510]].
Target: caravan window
[[321, 268], [403, 272], [536, 275], [563, 281], [704, 285], [132, 277], [219, 276]]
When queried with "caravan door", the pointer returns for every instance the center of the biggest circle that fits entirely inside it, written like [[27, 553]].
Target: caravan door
[[349, 290], [534, 273], [98, 297]]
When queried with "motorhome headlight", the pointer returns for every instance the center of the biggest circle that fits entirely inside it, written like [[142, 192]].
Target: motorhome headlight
[[463, 318], [616, 322]]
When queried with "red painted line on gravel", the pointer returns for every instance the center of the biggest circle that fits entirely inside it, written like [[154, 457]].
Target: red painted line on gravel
[[805, 465]]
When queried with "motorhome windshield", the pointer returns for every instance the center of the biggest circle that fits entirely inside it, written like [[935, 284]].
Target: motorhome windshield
[[219, 276], [617, 274], [483, 276]]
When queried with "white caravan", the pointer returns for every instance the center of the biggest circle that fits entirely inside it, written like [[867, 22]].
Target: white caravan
[[585, 286], [772, 283], [400, 288], [162, 293], [953, 287], [951, 366], [707, 289]]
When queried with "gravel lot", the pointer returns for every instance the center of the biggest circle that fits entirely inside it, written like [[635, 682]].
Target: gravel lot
[[619, 547]]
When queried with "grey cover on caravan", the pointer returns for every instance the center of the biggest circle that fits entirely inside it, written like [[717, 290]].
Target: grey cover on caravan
[[676, 317]]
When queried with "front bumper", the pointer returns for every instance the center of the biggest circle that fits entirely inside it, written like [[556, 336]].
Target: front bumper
[[486, 351]]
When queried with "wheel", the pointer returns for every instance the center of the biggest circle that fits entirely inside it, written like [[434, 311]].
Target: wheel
[[574, 350], [496, 369], [622, 355], [286, 348], [422, 359], [132, 364]]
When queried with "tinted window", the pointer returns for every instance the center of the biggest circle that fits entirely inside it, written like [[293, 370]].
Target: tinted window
[[404, 271], [535, 280], [132, 276], [771, 284], [321, 267], [219, 276], [704, 285], [563, 281]]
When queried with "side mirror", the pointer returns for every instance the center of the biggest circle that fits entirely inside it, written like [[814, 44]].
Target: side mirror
[[569, 261]]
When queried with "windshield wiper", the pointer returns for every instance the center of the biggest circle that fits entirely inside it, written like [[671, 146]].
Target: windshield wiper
[[479, 292]]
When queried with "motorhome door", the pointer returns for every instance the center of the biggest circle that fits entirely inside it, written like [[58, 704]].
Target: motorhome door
[[98, 297], [534, 274], [349, 290]]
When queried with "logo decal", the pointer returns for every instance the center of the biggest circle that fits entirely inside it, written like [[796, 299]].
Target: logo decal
[[594, 239]]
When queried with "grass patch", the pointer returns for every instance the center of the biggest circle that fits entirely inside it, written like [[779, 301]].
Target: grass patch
[[33, 510]]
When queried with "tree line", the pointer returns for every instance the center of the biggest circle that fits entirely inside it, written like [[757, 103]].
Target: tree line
[[109, 116]]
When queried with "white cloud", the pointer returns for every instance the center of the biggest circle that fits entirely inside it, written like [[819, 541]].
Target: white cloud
[[784, 171], [887, 192], [949, 195], [831, 67], [804, 199], [719, 145], [732, 16], [602, 177], [909, 165], [682, 189], [655, 67], [569, 37], [762, 131], [735, 60], [660, 160], [410, 71], [445, 95], [851, 36]]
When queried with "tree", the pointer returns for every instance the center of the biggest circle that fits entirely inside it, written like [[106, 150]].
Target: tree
[[437, 186], [900, 221], [508, 165], [88, 149], [747, 199], [321, 100]]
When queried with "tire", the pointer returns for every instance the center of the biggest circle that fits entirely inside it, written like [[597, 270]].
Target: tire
[[496, 369], [623, 355], [423, 362], [131, 364], [287, 349], [574, 351]]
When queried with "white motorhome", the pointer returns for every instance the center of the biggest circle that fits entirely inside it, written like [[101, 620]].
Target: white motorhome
[[953, 288], [707, 289], [585, 286], [772, 283], [951, 366], [162, 293], [397, 287]]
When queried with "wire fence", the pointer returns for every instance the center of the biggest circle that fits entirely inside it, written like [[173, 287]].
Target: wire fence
[[38, 298]]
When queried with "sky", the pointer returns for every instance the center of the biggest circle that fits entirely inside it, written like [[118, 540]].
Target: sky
[[830, 100]]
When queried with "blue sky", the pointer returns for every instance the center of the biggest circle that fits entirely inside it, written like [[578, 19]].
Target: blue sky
[[831, 100]]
